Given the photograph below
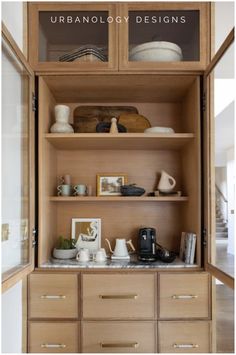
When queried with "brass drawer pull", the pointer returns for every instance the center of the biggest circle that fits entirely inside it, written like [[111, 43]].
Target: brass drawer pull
[[53, 297], [118, 297], [183, 297], [61, 346], [119, 345], [186, 346]]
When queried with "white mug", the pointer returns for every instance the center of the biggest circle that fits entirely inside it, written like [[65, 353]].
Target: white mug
[[100, 256], [83, 255], [80, 190], [64, 190]]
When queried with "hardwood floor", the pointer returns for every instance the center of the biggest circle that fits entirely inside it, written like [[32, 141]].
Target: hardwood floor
[[224, 319], [224, 260]]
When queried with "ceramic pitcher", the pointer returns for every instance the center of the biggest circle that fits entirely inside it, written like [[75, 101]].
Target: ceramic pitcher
[[166, 183]]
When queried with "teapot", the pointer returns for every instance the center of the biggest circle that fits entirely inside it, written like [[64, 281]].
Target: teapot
[[166, 183], [120, 250]]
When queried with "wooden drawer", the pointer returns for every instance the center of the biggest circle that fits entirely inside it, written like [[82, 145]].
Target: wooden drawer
[[184, 337], [184, 295], [118, 337], [53, 337], [117, 296], [53, 296]]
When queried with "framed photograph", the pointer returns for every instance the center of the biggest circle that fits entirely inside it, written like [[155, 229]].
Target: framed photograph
[[109, 184], [87, 232]]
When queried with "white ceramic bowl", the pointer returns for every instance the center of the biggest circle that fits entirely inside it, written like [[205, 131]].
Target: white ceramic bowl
[[64, 253], [156, 52], [159, 130]]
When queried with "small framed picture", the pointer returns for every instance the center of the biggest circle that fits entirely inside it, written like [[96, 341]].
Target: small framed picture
[[87, 232], [109, 184]]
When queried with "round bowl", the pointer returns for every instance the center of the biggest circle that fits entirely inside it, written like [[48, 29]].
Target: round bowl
[[64, 253], [156, 52], [159, 130]]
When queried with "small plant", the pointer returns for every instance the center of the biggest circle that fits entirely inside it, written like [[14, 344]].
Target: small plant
[[66, 244]]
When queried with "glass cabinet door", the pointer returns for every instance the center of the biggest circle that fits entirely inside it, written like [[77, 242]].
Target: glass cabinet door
[[164, 35], [72, 37], [17, 200]]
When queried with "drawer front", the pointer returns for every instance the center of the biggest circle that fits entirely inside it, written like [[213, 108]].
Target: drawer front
[[53, 296], [119, 296], [184, 295], [53, 337], [184, 337], [118, 337]]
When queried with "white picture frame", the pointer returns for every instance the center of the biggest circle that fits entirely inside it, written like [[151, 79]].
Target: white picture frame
[[87, 233]]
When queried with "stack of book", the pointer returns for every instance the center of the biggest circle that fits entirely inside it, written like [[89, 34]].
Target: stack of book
[[188, 247]]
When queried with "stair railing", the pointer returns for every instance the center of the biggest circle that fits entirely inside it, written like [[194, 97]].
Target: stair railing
[[221, 204]]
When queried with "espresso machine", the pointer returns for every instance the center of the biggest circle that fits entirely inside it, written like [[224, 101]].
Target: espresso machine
[[147, 244]]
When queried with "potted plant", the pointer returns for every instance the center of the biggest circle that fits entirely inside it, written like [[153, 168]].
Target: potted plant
[[65, 248]]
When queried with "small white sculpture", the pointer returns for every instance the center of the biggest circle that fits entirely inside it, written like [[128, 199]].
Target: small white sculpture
[[62, 113], [114, 128], [166, 183]]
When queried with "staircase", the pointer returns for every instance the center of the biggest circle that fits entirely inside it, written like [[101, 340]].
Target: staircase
[[221, 223]]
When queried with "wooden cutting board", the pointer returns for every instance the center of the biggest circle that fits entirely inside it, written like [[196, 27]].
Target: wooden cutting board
[[134, 123], [86, 118]]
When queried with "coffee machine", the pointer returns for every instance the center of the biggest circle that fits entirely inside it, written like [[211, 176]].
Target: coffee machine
[[147, 244]]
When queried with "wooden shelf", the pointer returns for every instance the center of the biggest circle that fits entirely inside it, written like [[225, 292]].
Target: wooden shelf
[[121, 141], [118, 199]]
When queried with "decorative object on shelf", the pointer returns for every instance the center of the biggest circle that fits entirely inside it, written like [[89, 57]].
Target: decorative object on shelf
[[166, 183], [121, 250], [188, 247], [87, 233], [64, 190], [131, 190], [62, 113], [134, 122], [87, 53], [110, 184], [100, 255], [89, 190], [80, 190], [104, 127], [156, 51], [113, 128], [86, 118], [65, 179], [65, 249], [171, 193], [164, 130], [164, 255]]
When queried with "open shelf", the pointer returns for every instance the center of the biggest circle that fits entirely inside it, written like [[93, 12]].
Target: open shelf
[[120, 141], [118, 198]]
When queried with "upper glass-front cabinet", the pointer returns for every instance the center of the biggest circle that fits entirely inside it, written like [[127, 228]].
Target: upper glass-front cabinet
[[73, 37], [165, 36]]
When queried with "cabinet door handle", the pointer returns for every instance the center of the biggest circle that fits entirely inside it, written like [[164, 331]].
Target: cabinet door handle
[[53, 297], [119, 345], [186, 346], [119, 297], [61, 346], [180, 297]]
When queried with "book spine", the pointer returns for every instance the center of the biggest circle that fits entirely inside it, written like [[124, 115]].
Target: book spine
[[188, 248], [192, 255]]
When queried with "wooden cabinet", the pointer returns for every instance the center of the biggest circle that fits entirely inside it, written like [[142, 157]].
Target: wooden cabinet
[[184, 295], [53, 296], [117, 296], [119, 337], [96, 36], [184, 337], [53, 337]]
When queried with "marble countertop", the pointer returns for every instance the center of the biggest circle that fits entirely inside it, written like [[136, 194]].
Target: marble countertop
[[133, 263]]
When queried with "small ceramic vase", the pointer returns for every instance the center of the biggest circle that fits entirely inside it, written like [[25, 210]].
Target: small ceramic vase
[[166, 183], [114, 128], [62, 113]]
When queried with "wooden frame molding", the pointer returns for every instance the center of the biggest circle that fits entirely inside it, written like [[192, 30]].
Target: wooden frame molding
[[220, 275]]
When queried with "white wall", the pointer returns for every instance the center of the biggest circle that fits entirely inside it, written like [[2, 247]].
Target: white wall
[[12, 319], [12, 16]]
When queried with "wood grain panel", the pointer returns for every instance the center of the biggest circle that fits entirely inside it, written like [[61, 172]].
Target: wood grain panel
[[133, 337], [53, 337], [141, 305], [53, 296], [184, 337], [184, 295]]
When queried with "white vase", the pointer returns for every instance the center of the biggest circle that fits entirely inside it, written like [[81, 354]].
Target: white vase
[[62, 113], [166, 183]]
